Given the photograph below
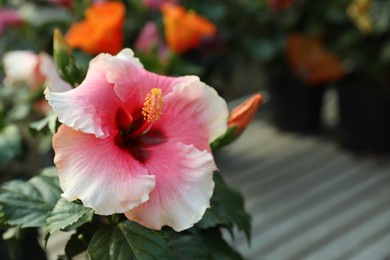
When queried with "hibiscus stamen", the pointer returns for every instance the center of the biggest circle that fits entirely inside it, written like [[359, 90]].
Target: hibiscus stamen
[[153, 106], [152, 111]]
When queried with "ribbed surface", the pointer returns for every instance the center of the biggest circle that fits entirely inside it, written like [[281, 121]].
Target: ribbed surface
[[308, 198]]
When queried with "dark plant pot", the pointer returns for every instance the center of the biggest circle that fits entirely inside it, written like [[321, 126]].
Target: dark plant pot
[[364, 118], [296, 107]]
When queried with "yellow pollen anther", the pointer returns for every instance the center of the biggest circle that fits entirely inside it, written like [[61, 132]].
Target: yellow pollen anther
[[153, 106]]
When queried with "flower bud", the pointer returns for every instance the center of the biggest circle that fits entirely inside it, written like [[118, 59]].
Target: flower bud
[[243, 115], [61, 50], [69, 70], [239, 119]]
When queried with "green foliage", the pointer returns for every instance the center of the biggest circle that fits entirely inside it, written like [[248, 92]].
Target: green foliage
[[129, 240], [187, 245], [37, 203], [15, 103], [78, 243], [10, 143], [70, 70], [48, 124], [227, 209], [65, 214], [228, 137], [26, 203]]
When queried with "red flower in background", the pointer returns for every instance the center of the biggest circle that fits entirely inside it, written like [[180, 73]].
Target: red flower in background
[[311, 62], [184, 30], [101, 31]]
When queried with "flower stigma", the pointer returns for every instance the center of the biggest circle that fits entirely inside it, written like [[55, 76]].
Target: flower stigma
[[151, 111], [153, 106]]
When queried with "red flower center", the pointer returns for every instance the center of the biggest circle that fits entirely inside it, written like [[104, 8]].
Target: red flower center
[[135, 131]]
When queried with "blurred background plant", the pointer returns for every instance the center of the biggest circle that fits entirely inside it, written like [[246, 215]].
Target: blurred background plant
[[169, 39], [238, 47], [295, 49]]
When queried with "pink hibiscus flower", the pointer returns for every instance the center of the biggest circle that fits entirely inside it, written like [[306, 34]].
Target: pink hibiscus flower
[[149, 38], [32, 69], [137, 143], [22, 66]]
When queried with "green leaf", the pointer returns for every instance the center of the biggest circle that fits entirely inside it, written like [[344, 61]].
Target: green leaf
[[39, 125], [146, 243], [26, 203], [129, 240], [19, 112], [227, 208], [203, 244], [53, 123], [109, 244], [65, 214], [10, 143], [228, 137], [188, 246], [3, 217], [49, 123], [211, 219], [217, 246], [79, 241]]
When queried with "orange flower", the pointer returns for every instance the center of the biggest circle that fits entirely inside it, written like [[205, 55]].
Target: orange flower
[[184, 30], [243, 114], [311, 62], [101, 31]]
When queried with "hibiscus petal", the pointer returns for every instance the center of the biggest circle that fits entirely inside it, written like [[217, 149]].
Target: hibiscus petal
[[98, 173], [193, 114], [53, 80], [132, 82], [184, 186], [92, 106]]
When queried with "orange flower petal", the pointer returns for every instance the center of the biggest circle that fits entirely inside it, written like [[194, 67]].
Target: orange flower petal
[[311, 62], [184, 30], [101, 31], [243, 114]]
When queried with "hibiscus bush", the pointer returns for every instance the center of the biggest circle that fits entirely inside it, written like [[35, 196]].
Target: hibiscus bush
[[132, 133]]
